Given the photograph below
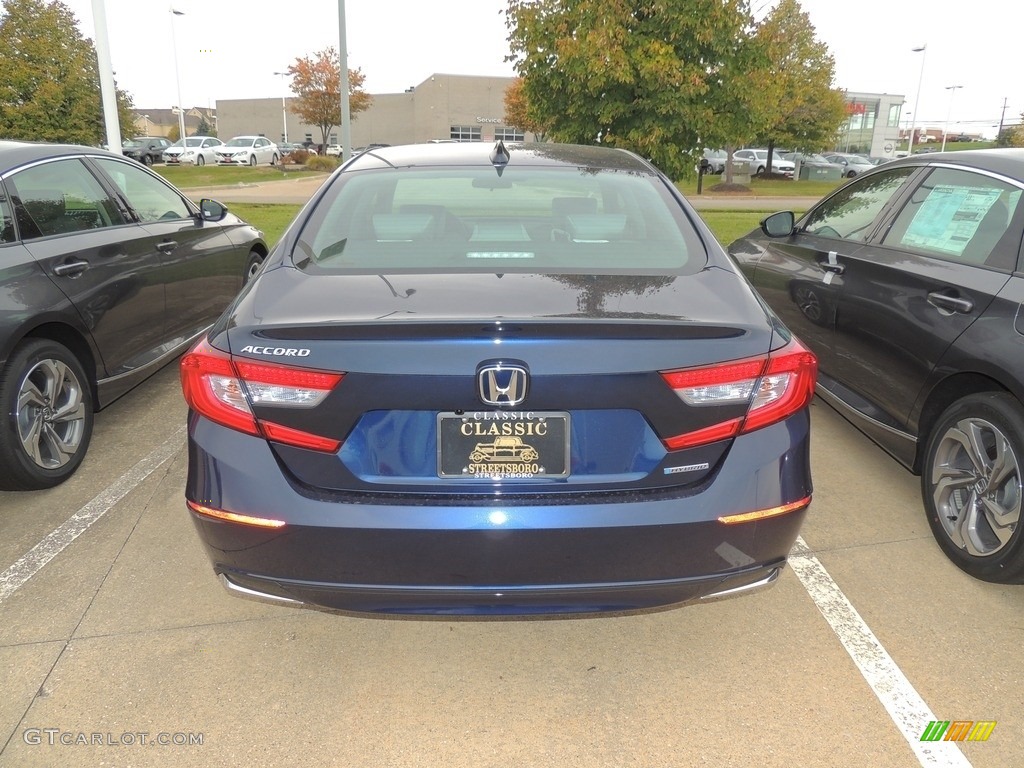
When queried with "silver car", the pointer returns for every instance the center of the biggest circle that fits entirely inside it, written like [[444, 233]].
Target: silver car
[[852, 164]]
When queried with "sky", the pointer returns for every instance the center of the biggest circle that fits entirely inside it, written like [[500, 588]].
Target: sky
[[230, 49]]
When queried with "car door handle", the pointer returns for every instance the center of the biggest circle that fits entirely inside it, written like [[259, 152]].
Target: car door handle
[[167, 246], [951, 303], [836, 269], [70, 268]]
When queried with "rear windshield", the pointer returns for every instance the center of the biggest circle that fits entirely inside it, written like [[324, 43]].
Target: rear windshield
[[472, 219]]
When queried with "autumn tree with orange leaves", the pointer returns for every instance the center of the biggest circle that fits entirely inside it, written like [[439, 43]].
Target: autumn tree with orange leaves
[[316, 83], [517, 111]]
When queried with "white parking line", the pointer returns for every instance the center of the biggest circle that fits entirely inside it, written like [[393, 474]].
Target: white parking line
[[903, 703], [56, 541]]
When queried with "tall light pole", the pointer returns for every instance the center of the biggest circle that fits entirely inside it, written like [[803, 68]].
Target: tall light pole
[[917, 99], [284, 108], [108, 92], [949, 113], [346, 117], [177, 76]]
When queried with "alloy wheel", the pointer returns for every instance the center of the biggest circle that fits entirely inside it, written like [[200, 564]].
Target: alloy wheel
[[976, 486], [51, 414]]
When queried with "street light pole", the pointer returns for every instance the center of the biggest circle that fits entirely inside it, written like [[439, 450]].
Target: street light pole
[[917, 99], [284, 108], [177, 76], [949, 113], [346, 115]]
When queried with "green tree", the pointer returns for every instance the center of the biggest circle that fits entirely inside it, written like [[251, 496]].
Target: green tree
[[205, 129], [625, 73], [50, 89], [798, 108], [1007, 136], [316, 83]]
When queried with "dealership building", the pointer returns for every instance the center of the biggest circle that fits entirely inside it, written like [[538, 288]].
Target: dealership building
[[872, 125], [460, 107], [472, 108]]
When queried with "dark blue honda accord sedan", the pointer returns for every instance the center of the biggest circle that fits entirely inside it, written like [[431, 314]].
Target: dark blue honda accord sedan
[[490, 380]]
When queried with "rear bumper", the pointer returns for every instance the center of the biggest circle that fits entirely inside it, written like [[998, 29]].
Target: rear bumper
[[583, 553], [483, 601]]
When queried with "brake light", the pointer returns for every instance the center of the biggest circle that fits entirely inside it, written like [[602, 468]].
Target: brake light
[[224, 389], [775, 387]]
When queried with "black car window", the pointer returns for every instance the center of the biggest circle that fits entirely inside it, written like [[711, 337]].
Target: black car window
[[526, 219], [6, 219], [850, 212], [961, 216], [60, 197], [147, 195]]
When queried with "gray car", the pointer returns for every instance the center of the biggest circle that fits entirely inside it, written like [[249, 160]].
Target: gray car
[[853, 165], [106, 273]]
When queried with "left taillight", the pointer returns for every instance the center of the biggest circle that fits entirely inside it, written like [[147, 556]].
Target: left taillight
[[775, 387], [223, 389]]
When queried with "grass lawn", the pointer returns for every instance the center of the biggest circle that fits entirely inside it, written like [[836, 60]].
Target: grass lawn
[[767, 187], [272, 219], [185, 176], [729, 225]]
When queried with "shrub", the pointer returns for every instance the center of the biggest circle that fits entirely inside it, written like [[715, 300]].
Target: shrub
[[321, 163], [297, 157]]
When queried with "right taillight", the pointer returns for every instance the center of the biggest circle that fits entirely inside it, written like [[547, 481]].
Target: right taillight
[[223, 389], [775, 387]]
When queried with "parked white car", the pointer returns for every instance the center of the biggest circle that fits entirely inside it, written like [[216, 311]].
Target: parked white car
[[333, 150], [758, 160], [195, 150], [248, 150]]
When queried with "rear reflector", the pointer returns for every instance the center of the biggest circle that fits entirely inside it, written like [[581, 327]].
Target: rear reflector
[[224, 389], [775, 387], [761, 514], [234, 517]]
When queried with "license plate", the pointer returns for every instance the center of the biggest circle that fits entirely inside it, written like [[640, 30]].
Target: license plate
[[502, 445]]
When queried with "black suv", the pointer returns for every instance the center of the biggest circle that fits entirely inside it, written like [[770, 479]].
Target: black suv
[[146, 149]]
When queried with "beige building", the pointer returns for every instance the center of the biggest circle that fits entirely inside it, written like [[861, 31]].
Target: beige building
[[160, 122], [460, 107]]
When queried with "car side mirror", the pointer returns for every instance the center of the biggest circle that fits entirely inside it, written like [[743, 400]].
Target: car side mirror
[[779, 224], [211, 210]]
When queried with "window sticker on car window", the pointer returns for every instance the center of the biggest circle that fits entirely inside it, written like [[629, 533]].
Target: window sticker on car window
[[949, 218]]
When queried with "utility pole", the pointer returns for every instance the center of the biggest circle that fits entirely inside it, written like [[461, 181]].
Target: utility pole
[[1001, 118]]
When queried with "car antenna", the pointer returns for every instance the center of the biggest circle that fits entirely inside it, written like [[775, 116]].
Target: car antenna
[[500, 156]]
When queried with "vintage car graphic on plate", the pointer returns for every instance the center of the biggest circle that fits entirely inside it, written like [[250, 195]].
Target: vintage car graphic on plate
[[522, 445]]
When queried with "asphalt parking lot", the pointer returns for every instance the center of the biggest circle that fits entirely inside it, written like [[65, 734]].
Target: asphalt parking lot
[[120, 647]]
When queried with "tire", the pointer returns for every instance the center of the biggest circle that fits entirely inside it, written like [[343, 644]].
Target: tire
[[147, 160], [252, 161], [200, 160], [48, 408], [760, 171], [851, 174], [971, 485], [252, 266], [273, 159]]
